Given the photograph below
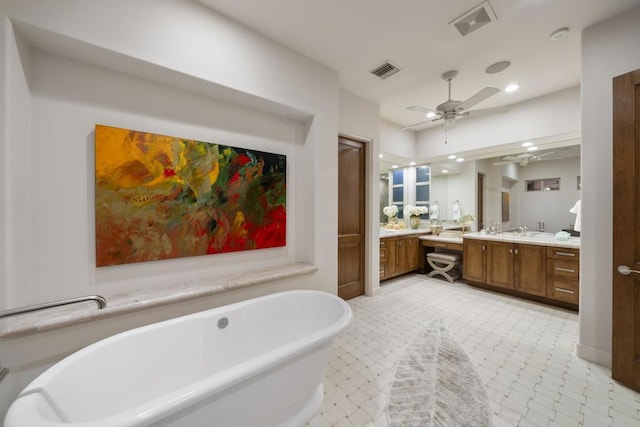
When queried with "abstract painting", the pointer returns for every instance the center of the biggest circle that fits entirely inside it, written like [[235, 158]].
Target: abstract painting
[[161, 197]]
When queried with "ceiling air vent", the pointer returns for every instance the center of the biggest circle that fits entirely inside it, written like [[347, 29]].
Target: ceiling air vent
[[473, 19], [385, 70]]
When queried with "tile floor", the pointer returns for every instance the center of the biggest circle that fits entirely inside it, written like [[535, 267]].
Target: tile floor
[[523, 351]]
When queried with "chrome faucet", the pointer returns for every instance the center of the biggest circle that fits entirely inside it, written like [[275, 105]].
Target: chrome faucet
[[523, 230], [540, 226]]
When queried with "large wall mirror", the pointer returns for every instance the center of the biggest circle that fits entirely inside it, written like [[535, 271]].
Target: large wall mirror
[[506, 201]]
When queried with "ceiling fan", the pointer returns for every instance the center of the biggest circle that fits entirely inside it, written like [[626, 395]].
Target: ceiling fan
[[451, 110], [525, 158]]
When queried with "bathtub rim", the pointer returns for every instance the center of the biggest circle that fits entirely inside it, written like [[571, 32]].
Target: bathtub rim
[[163, 406]]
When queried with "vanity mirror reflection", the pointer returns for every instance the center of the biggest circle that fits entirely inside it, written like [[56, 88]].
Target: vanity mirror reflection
[[503, 175]]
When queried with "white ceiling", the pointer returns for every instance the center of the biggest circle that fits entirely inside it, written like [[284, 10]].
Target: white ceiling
[[355, 36]]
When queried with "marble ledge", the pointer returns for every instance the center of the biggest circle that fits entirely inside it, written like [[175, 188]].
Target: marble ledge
[[58, 317]]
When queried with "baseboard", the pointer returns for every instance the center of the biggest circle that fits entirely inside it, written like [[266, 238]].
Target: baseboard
[[594, 355]]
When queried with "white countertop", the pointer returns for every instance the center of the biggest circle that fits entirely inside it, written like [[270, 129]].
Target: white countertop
[[445, 239], [542, 239], [389, 232]]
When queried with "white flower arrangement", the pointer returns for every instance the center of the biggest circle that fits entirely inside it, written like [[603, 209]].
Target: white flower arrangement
[[416, 210], [390, 211]]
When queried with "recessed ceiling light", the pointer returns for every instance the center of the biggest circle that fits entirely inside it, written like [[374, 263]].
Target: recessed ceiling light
[[459, 159], [559, 33], [380, 155], [512, 87], [453, 156], [412, 164], [527, 144], [444, 171], [532, 148], [497, 67], [431, 114], [394, 166]]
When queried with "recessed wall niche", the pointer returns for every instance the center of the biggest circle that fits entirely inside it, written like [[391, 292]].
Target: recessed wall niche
[[62, 88]]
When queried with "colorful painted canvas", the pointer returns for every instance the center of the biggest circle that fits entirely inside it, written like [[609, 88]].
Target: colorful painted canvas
[[161, 197]]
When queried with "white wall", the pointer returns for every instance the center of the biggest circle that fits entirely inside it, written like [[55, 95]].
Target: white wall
[[187, 72], [551, 207], [398, 142], [609, 49], [359, 118]]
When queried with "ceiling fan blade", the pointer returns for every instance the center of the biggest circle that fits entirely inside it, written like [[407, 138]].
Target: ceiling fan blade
[[487, 111], [505, 162], [479, 97], [415, 124], [421, 109], [539, 156]]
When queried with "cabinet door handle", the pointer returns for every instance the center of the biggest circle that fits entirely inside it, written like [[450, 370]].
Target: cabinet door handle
[[483, 247], [566, 291], [442, 245], [516, 252], [510, 250], [566, 270], [565, 254]]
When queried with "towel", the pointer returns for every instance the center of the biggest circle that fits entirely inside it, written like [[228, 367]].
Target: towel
[[435, 211], [576, 210], [456, 211]]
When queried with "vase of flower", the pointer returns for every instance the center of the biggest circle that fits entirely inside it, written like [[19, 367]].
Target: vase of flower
[[414, 213], [392, 213]]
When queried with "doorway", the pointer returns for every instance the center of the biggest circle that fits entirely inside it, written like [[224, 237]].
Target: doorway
[[626, 230], [351, 217]]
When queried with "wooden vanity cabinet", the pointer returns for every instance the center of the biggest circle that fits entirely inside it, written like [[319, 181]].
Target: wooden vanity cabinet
[[551, 273], [500, 264], [474, 264], [517, 266], [563, 274], [383, 259], [530, 269], [398, 255]]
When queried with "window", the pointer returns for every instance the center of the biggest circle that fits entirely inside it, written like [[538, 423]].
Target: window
[[545, 184], [423, 185], [397, 190]]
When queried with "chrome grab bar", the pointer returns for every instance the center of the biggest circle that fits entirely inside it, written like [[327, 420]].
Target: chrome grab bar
[[101, 301]]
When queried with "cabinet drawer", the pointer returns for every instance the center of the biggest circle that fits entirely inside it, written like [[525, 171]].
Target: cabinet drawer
[[563, 253], [563, 290], [383, 254], [563, 269], [443, 245]]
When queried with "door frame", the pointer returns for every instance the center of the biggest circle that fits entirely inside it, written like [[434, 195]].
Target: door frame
[[372, 197]]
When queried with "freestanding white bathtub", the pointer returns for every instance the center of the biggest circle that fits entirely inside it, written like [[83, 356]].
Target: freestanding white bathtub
[[255, 363]]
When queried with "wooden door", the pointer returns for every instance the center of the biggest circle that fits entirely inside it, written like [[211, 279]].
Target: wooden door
[[530, 269], [351, 218], [626, 230], [500, 264], [474, 260]]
